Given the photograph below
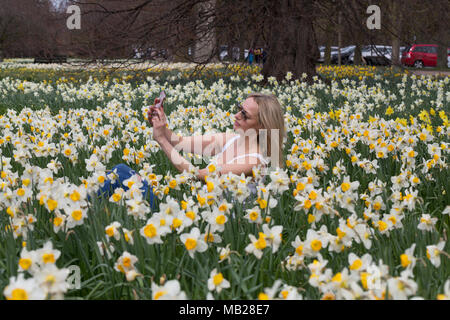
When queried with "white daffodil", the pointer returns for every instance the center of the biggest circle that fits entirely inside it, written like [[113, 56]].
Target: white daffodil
[[47, 255], [153, 230], [112, 230], [20, 288], [434, 252], [427, 222], [169, 291], [217, 282], [193, 242], [257, 246], [125, 263]]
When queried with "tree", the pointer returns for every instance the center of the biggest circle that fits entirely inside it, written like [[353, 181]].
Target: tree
[[291, 41], [284, 28], [443, 34]]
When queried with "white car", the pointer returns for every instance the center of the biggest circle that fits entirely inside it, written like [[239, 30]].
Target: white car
[[374, 55]]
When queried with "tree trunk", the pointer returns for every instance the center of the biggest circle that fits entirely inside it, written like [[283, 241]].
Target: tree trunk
[[205, 32], [443, 35], [327, 53], [396, 27], [356, 34], [291, 45], [357, 59], [339, 37]]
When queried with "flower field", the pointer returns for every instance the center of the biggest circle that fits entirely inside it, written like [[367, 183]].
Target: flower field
[[360, 211]]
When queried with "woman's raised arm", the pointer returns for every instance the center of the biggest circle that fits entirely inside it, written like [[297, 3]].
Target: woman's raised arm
[[206, 145]]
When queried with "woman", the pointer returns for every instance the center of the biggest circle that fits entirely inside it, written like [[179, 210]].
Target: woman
[[259, 131]]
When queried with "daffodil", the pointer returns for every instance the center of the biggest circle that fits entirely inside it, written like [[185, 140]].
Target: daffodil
[[217, 282]]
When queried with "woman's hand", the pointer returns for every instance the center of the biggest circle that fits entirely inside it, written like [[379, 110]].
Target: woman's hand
[[159, 122], [151, 111]]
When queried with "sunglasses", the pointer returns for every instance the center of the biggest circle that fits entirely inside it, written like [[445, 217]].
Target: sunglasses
[[244, 113]]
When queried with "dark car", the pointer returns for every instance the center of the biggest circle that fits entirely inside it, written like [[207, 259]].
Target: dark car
[[346, 52]]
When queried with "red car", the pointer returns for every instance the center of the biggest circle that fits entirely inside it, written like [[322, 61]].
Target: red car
[[420, 55]]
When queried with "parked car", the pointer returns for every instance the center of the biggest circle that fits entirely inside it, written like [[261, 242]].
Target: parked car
[[421, 55], [322, 53], [377, 55], [346, 52], [374, 55]]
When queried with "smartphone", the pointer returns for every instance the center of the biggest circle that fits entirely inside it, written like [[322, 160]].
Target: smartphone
[[161, 98]]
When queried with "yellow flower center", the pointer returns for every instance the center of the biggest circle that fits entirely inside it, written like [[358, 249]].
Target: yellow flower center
[[190, 243], [261, 242], [300, 186], [190, 215], [75, 196], [405, 260], [127, 262], [52, 204], [337, 277], [25, 263], [77, 215], [50, 279], [209, 237], [307, 204], [48, 258], [176, 223], [253, 215], [263, 296], [217, 279], [377, 206], [150, 231], [19, 294], [110, 231], [220, 219], [57, 221], [356, 264], [210, 186], [382, 225], [345, 186], [316, 245], [159, 294], [364, 276]]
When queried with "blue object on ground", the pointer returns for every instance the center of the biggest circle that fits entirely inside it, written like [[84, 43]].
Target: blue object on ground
[[124, 172]]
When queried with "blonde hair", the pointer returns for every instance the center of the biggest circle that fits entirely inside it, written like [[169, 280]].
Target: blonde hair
[[271, 116]]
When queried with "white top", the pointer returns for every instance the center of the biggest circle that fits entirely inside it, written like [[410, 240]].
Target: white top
[[230, 142]]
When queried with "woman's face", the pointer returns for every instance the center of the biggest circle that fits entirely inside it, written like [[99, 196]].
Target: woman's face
[[247, 117]]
